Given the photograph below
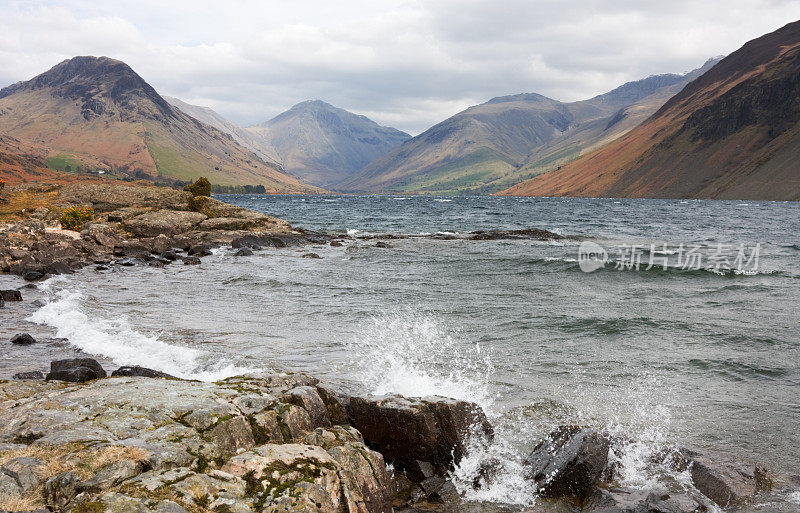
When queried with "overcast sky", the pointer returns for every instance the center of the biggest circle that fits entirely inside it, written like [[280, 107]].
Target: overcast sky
[[404, 63]]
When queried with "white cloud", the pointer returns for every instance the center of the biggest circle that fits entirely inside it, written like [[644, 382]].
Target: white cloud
[[404, 63]]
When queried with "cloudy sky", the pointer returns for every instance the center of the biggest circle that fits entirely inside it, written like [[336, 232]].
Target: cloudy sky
[[404, 63]]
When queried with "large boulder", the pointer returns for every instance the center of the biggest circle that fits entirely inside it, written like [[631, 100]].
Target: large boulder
[[166, 222], [142, 372], [75, 370], [724, 480], [405, 430], [568, 463]]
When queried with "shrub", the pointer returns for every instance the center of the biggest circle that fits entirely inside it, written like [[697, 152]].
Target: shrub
[[201, 187], [2, 184], [72, 217], [198, 203]]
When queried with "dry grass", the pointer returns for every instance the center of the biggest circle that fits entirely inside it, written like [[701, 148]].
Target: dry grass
[[20, 503], [19, 203], [84, 462]]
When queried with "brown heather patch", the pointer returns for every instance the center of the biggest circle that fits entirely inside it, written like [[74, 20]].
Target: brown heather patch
[[20, 503], [21, 202]]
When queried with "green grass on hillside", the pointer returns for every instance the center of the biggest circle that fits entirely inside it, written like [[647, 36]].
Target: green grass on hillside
[[63, 162]]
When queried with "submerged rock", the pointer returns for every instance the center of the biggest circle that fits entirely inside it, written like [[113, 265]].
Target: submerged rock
[[568, 463], [10, 295], [23, 339]]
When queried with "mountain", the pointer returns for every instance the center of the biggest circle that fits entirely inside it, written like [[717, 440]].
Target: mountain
[[733, 133], [491, 146], [323, 144], [239, 134], [21, 162], [96, 113]]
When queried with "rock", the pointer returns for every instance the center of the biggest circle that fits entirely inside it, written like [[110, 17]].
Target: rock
[[723, 479], [25, 471], [335, 436], [111, 475], [433, 429], [336, 244], [366, 484], [191, 260], [568, 463], [10, 295], [30, 375], [23, 339], [631, 500], [137, 371], [9, 486], [309, 399], [166, 222], [169, 256], [233, 435], [336, 403], [384, 245], [200, 250], [32, 275], [76, 370], [243, 252], [311, 255], [297, 422], [60, 490]]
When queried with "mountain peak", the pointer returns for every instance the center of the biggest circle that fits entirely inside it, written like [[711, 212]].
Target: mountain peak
[[96, 81], [523, 97]]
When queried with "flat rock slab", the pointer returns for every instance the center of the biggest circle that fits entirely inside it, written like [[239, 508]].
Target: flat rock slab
[[164, 222]]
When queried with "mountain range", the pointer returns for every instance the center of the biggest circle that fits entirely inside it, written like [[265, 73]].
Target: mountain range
[[733, 133], [489, 147], [729, 129], [96, 113]]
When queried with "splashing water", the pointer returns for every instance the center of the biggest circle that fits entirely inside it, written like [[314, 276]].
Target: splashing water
[[117, 340], [411, 354]]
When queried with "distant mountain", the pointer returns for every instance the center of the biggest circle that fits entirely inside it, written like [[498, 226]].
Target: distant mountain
[[323, 144], [733, 133], [21, 162], [491, 146], [96, 113], [239, 134]]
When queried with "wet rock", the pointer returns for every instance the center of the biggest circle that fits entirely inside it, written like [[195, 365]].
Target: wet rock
[[169, 256], [434, 429], [29, 375], [243, 252], [723, 479], [76, 370], [143, 372], [191, 260], [129, 262], [32, 275], [568, 463], [10, 295], [200, 250], [384, 245], [632, 500], [336, 244], [311, 255], [23, 339]]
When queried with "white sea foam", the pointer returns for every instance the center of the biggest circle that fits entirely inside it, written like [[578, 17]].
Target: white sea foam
[[352, 232], [116, 339]]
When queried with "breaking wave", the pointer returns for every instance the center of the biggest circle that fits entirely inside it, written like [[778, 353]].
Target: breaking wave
[[116, 339]]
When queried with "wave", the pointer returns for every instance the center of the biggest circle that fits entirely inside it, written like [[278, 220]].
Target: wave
[[413, 353], [116, 339]]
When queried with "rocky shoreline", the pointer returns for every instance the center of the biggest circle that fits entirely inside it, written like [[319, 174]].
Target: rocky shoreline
[[141, 441]]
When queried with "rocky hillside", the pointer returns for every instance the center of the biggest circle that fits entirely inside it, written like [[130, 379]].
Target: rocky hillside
[[733, 133], [214, 119], [97, 114], [323, 144], [489, 147]]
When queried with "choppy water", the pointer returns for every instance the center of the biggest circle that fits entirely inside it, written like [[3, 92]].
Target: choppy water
[[665, 357]]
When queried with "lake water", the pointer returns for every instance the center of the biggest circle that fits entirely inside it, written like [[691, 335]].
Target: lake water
[[666, 357]]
